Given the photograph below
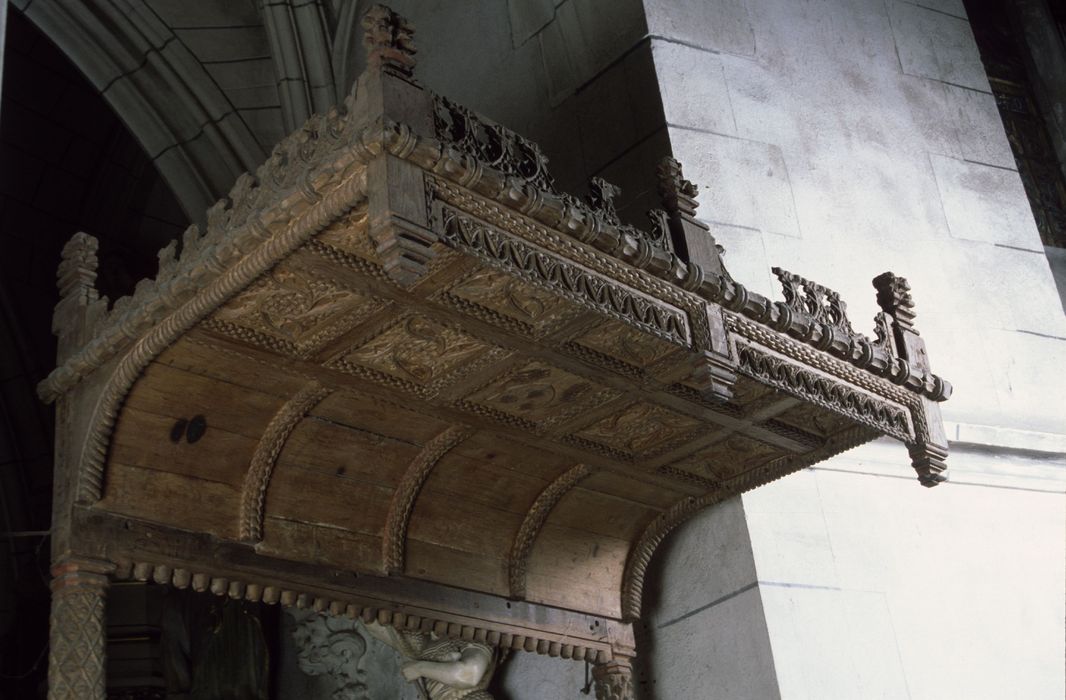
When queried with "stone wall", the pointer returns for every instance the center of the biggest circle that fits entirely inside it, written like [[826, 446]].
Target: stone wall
[[841, 139]]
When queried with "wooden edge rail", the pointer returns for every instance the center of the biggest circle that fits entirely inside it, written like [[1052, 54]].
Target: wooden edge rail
[[150, 552]]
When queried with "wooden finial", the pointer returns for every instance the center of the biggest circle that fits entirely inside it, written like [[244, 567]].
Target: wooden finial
[[678, 194], [76, 276], [389, 40], [894, 298], [692, 239]]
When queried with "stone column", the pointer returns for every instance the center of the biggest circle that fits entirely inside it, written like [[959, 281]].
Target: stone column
[[77, 631], [614, 680]]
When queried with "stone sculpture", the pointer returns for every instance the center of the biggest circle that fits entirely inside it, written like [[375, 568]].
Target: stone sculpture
[[332, 646], [443, 669]]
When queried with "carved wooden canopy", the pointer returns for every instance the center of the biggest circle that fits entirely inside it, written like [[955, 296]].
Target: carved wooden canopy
[[401, 375]]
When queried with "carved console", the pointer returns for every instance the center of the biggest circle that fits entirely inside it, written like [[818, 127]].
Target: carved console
[[401, 377]]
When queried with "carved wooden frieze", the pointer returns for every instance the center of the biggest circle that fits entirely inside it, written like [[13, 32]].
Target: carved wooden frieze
[[422, 368], [580, 285]]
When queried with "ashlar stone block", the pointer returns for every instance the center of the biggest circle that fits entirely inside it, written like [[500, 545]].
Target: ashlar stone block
[[716, 25], [935, 45], [985, 203], [742, 183], [693, 88], [954, 8]]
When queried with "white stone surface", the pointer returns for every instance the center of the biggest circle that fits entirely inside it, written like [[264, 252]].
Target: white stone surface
[[956, 8], [715, 25], [838, 643], [984, 203], [916, 575], [721, 652], [742, 183], [534, 676], [935, 45], [980, 129], [695, 94], [872, 586]]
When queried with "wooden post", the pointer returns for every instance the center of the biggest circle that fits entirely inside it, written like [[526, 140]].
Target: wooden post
[[77, 631], [387, 93], [929, 451], [715, 371], [614, 680]]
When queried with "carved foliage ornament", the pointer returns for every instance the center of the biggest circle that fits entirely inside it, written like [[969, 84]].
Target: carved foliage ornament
[[332, 646], [820, 303], [491, 144]]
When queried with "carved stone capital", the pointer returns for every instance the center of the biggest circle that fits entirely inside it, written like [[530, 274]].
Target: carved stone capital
[[614, 680]]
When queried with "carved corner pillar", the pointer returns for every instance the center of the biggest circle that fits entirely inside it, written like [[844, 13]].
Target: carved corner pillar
[[386, 96], [398, 221], [77, 630], [714, 372], [79, 303], [614, 680], [929, 450], [692, 238]]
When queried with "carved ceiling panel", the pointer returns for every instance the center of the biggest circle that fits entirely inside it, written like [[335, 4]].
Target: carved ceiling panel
[[295, 310], [640, 430], [624, 344], [418, 353], [538, 395], [502, 298]]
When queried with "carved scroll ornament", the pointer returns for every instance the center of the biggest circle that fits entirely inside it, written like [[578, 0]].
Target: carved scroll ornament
[[332, 646]]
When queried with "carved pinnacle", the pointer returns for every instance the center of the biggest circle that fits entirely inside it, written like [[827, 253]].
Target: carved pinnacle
[[76, 276], [389, 40], [894, 298], [678, 194], [691, 238]]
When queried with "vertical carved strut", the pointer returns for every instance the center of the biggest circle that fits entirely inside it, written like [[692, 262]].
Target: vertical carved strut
[[261, 468], [534, 521], [929, 450], [394, 543], [77, 634]]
